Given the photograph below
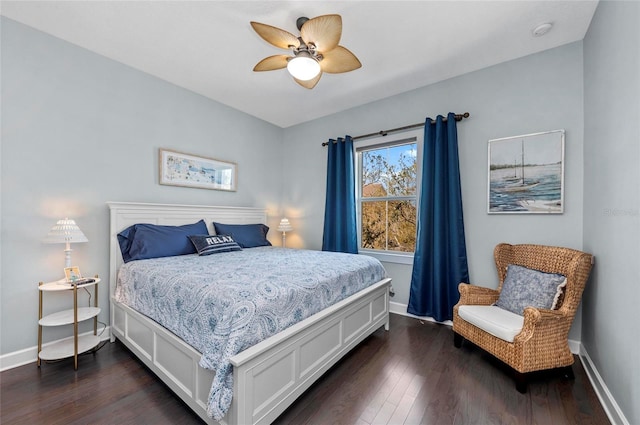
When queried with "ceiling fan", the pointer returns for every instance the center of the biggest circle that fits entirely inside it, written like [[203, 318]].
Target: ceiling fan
[[315, 51]]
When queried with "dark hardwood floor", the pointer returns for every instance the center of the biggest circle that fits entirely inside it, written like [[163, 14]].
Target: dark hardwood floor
[[410, 375]]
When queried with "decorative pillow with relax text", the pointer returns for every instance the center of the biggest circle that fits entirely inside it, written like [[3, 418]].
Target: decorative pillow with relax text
[[214, 244], [525, 287]]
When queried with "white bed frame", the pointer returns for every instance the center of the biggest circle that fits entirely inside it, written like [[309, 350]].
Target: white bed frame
[[269, 376]]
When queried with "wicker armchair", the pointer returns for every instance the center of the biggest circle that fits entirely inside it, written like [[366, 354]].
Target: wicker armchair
[[542, 343]]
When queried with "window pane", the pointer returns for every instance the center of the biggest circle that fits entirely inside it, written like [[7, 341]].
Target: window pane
[[374, 225], [402, 226], [389, 225], [389, 171], [373, 167]]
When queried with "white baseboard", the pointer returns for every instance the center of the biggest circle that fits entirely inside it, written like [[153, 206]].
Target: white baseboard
[[30, 355], [574, 346], [401, 309], [609, 404]]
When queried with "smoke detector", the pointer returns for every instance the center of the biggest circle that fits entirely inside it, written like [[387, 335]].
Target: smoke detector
[[542, 29]]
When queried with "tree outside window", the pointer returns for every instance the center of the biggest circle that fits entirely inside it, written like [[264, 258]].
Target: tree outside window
[[387, 197]]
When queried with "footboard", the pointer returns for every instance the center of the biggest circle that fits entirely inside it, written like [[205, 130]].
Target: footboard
[[269, 376], [170, 358]]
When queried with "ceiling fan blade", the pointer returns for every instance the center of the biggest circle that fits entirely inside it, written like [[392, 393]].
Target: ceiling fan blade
[[323, 31], [276, 36], [339, 60], [272, 62], [309, 84]]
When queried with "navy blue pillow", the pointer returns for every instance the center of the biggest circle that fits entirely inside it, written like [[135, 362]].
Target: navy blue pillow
[[246, 235], [214, 244], [142, 241]]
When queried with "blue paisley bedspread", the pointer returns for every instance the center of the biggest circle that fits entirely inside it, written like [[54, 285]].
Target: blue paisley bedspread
[[225, 303]]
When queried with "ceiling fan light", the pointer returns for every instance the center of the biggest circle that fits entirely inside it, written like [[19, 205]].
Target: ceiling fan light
[[303, 67]]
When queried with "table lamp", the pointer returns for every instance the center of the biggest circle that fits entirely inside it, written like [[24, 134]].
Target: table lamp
[[66, 231], [284, 227]]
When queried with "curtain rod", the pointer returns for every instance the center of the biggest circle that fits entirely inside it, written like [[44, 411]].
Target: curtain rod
[[458, 117]]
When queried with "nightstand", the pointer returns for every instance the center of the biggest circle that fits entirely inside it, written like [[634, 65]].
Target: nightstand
[[79, 344]]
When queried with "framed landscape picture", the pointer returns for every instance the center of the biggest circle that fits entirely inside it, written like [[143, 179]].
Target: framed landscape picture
[[181, 169], [526, 174]]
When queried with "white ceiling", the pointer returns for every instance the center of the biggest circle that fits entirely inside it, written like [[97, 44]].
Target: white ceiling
[[210, 48]]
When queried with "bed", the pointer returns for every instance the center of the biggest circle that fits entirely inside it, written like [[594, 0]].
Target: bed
[[268, 376]]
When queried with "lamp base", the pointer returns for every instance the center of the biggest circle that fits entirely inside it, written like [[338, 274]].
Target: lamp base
[[67, 256]]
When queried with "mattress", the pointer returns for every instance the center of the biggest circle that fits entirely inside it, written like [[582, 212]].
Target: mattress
[[224, 303]]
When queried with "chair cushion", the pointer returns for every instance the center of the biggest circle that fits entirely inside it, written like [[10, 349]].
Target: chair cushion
[[525, 287], [494, 320]]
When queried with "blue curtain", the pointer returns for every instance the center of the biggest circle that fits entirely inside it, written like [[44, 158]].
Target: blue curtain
[[340, 228], [440, 260]]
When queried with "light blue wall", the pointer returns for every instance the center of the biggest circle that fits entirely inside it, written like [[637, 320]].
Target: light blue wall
[[532, 94], [79, 130], [611, 331]]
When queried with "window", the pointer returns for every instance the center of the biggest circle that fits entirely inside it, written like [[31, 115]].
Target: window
[[387, 189]]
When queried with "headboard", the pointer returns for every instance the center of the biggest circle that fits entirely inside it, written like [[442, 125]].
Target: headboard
[[124, 214]]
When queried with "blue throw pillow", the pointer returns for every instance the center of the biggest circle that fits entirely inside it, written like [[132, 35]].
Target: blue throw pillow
[[214, 244], [143, 241], [246, 235], [523, 287]]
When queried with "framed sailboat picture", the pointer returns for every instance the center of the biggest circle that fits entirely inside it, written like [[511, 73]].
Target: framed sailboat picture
[[526, 174]]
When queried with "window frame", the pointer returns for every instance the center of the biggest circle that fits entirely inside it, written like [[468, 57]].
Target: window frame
[[412, 136]]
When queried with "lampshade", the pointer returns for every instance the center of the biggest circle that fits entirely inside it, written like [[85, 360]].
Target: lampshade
[[65, 231], [303, 67], [285, 226]]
